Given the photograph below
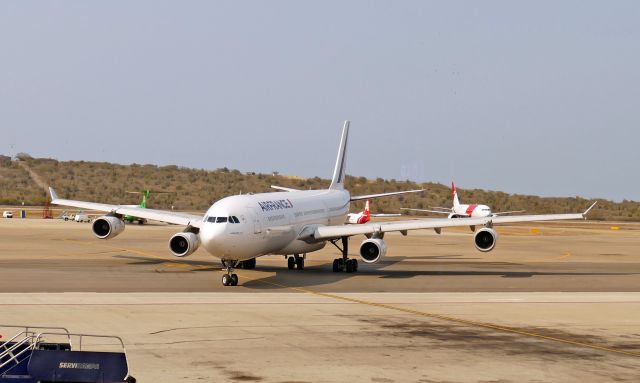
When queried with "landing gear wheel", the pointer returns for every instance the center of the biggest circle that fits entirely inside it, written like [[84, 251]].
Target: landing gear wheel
[[355, 265], [338, 265], [226, 280], [300, 263], [349, 265], [234, 280], [291, 262]]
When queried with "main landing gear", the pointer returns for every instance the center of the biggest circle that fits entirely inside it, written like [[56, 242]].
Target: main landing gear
[[229, 278], [344, 263], [249, 264], [296, 261]]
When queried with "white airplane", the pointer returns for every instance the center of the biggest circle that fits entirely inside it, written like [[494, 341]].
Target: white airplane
[[243, 227], [365, 215], [462, 210]]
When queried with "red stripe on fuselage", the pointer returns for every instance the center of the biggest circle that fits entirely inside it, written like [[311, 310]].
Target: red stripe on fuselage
[[364, 219], [470, 209]]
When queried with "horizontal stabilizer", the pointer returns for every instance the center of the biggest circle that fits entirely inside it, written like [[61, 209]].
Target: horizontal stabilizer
[[284, 188]]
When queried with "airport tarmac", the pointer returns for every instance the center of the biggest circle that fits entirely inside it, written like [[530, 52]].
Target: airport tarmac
[[553, 302], [56, 256]]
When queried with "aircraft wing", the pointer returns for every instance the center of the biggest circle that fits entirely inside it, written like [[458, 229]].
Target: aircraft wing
[[329, 232], [284, 188], [508, 212], [177, 218], [541, 217], [386, 215], [361, 197], [427, 211]]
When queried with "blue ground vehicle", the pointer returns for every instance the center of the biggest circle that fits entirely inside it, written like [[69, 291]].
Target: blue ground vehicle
[[43, 355]]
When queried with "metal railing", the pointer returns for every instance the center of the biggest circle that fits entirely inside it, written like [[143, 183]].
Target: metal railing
[[27, 339], [30, 340], [13, 357]]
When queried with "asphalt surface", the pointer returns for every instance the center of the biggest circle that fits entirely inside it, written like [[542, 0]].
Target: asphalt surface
[[56, 256]]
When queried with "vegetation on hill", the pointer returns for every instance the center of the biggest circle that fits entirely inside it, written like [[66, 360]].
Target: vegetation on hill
[[197, 189]]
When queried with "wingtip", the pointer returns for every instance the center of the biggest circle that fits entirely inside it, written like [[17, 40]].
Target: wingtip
[[54, 195], [589, 209]]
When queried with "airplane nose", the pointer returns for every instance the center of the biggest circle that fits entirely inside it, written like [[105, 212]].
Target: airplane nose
[[211, 237]]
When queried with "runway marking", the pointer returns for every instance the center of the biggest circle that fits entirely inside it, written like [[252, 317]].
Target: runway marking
[[178, 265], [425, 314], [567, 254], [467, 322]]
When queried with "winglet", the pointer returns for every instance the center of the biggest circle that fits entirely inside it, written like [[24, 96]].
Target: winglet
[[589, 209], [54, 195]]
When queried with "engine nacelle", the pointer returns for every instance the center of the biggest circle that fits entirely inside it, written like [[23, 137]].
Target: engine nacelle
[[183, 244], [107, 226], [372, 250], [485, 239]]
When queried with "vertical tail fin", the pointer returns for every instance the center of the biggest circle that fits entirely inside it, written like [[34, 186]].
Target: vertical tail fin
[[367, 208], [145, 198], [337, 182], [456, 201]]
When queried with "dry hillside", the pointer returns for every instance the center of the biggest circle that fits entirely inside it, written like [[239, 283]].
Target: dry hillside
[[196, 189]]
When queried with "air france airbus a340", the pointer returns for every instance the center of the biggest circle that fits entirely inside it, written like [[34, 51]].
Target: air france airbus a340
[[243, 227]]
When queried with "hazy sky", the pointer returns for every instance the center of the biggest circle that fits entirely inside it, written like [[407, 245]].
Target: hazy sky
[[525, 97]]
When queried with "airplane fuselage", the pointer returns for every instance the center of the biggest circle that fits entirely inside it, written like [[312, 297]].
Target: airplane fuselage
[[251, 225], [473, 211]]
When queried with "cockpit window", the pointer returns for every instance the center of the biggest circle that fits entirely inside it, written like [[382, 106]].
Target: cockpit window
[[230, 219]]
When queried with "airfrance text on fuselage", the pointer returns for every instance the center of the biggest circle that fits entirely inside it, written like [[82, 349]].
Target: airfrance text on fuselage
[[275, 205]]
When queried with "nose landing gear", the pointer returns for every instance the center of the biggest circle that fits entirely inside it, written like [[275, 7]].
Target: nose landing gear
[[229, 278]]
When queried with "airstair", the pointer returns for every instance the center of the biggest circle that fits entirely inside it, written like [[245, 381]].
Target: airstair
[[46, 354]]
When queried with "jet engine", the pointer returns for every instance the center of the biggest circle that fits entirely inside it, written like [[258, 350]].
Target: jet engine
[[107, 226], [485, 239], [183, 244], [372, 250]]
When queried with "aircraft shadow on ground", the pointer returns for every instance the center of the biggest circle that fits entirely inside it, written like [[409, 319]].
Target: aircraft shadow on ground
[[320, 275]]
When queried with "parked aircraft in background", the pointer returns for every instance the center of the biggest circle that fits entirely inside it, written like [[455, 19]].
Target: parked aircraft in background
[[365, 215], [143, 205], [293, 222], [462, 210]]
